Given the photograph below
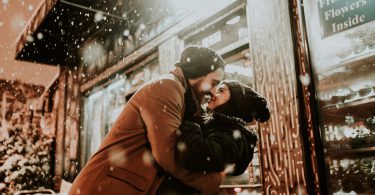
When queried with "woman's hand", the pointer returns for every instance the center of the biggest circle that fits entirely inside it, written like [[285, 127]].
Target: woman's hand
[[190, 126]]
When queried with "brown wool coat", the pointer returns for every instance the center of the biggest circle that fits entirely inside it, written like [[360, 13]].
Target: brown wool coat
[[123, 165]]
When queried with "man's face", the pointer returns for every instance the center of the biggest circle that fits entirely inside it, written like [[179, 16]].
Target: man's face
[[206, 85]]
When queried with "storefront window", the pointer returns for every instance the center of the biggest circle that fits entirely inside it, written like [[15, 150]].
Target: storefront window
[[230, 30], [341, 37], [142, 74], [93, 123], [116, 102], [102, 108], [239, 67]]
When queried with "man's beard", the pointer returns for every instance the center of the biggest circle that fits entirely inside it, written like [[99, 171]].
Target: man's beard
[[198, 93]]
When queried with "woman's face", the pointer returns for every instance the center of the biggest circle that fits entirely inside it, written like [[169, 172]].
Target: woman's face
[[221, 96]]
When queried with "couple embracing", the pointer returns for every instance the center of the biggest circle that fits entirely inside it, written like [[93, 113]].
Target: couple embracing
[[164, 143]]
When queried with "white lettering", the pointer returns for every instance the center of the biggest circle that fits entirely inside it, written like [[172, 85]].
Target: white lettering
[[337, 12], [333, 13], [345, 9], [323, 3], [348, 23], [327, 14], [362, 18]]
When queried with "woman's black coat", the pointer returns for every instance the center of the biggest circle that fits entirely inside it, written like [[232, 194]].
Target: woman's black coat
[[221, 142]]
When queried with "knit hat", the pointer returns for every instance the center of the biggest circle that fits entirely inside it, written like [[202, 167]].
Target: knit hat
[[197, 61], [244, 103]]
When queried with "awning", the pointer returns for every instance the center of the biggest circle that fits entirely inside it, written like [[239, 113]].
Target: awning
[[56, 30]]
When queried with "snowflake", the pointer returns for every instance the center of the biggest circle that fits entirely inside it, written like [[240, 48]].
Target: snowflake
[[229, 168], [30, 7], [40, 35], [29, 39], [126, 33], [305, 79], [147, 158], [236, 134], [142, 26], [99, 16], [181, 146], [117, 157]]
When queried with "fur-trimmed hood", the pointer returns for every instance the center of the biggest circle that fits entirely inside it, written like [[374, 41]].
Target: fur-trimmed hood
[[217, 121]]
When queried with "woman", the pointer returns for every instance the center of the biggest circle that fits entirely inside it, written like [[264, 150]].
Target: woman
[[223, 142]]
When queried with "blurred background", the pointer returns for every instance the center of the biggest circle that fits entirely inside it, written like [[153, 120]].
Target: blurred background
[[68, 67]]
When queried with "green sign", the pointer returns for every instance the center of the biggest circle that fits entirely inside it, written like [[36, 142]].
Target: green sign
[[339, 15]]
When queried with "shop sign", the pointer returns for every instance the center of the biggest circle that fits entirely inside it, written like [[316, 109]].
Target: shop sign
[[340, 15]]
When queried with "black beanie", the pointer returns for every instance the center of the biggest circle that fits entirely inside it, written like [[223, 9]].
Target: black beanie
[[197, 61], [244, 103]]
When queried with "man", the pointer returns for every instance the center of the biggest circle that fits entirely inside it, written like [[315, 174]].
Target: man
[[139, 150]]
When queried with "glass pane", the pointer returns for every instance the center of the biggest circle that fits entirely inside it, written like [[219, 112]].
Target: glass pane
[[229, 30], [116, 101], [341, 37], [352, 175], [93, 123], [239, 68]]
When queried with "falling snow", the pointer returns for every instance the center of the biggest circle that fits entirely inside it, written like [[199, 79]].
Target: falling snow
[[18, 22], [236, 134], [229, 168], [181, 146], [30, 7], [117, 157], [40, 35], [305, 79], [147, 158], [99, 16], [142, 26], [126, 33], [164, 108]]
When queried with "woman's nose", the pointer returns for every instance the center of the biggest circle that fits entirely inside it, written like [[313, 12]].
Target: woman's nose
[[213, 91]]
